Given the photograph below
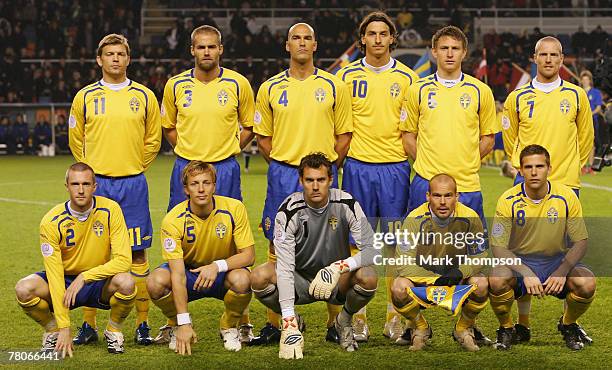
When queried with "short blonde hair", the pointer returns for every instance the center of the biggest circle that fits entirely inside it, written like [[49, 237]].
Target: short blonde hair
[[206, 29], [113, 39], [197, 167]]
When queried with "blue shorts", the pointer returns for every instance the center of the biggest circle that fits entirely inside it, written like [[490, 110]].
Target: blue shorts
[[380, 188], [228, 180], [90, 294], [283, 180], [132, 194], [217, 290], [420, 186], [519, 178], [543, 267], [499, 142]]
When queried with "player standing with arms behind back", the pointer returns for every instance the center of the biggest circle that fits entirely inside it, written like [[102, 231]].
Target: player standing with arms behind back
[[377, 172], [298, 111], [114, 127]]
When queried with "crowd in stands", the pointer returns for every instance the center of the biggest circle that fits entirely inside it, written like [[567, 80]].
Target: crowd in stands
[[62, 30]]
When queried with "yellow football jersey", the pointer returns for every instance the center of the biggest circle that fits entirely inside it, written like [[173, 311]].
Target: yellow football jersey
[[464, 235], [303, 116], [200, 242], [529, 228], [208, 116], [377, 102], [117, 133], [98, 247], [561, 121], [449, 123]]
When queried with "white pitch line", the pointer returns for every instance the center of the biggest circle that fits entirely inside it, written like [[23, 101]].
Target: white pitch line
[[598, 187], [24, 183], [21, 201]]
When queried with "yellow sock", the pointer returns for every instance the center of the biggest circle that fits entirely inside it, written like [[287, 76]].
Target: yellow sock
[[524, 306], [140, 271], [502, 307], [332, 311], [166, 305], [576, 306], [235, 304], [273, 318], [89, 316], [409, 311], [245, 319], [121, 305], [470, 310], [523, 319], [391, 312], [361, 315], [420, 322], [38, 310]]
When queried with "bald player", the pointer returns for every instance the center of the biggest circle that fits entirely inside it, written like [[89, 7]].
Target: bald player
[[298, 111], [555, 114], [202, 111], [377, 172]]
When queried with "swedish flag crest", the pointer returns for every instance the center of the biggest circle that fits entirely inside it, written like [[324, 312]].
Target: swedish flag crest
[[320, 95], [134, 104], [394, 90], [333, 222], [553, 215], [220, 230], [564, 106], [98, 228], [450, 298], [465, 100], [222, 97]]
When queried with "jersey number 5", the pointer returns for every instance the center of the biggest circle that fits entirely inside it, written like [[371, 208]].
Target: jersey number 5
[[190, 234]]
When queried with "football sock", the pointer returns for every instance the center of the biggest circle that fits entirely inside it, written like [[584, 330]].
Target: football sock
[[576, 306], [410, 310], [390, 310], [420, 322], [245, 318], [524, 306], [269, 298], [470, 310], [332, 311], [502, 307], [235, 304], [166, 305], [140, 271], [38, 310], [356, 299], [89, 316], [121, 305], [361, 314]]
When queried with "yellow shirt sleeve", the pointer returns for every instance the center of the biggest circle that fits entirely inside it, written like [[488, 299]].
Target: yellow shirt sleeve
[[246, 102], [264, 117], [584, 123], [510, 123], [343, 111], [171, 238], [410, 268], [476, 228], [243, 236], [54, 268], [168, 109], [121, 252], [502, 224], [76, 123], [576, 228], [152, 139], [409, 117], [487, 112]]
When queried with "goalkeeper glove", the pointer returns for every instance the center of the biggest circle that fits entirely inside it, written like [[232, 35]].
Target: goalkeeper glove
[[326, 280], [291, 341], [452, 277]]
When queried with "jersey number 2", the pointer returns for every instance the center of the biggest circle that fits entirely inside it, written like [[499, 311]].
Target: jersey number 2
[[70, 238]]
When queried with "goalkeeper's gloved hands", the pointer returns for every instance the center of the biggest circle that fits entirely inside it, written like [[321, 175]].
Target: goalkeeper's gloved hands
[[452, 277], [326, 280], [291, 341]]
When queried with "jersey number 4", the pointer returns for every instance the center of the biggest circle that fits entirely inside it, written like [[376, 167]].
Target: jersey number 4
[[283, 100]]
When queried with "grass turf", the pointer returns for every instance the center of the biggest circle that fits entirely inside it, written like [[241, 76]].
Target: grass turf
[[30, 186]]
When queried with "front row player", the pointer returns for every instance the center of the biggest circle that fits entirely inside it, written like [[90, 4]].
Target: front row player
[[208, 244], [311, 240], [442, 214], [533, 221], [87, 258]]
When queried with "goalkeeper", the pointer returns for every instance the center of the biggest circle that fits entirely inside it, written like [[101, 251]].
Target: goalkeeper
[[311, 239]]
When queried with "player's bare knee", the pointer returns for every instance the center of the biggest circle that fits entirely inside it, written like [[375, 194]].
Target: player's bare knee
[[366, 278], [499, 280], [399, 293], [124, 283], [157, 283], [24, 289], [239, 280], [583, 286], [482, 287], [261, 276]]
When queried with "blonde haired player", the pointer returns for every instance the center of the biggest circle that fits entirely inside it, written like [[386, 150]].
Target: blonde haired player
[[114, 127]]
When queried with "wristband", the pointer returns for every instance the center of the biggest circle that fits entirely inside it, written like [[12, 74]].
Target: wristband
[[183, 319], [222, 265]]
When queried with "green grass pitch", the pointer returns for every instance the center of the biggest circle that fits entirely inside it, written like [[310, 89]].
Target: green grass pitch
[[30, 186]]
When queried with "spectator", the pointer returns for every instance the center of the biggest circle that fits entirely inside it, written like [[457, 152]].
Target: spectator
[[61, 134], [42, 138], [21, 134]]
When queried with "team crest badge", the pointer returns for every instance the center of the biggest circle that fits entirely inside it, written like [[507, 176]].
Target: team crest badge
[[134, 105], [564, 106], [98, 228], [267, 223], [465, 100], [438, 294], [552, 215], [320, 95], [220, 230], [222, 97], [333, 222], [395, 90]]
